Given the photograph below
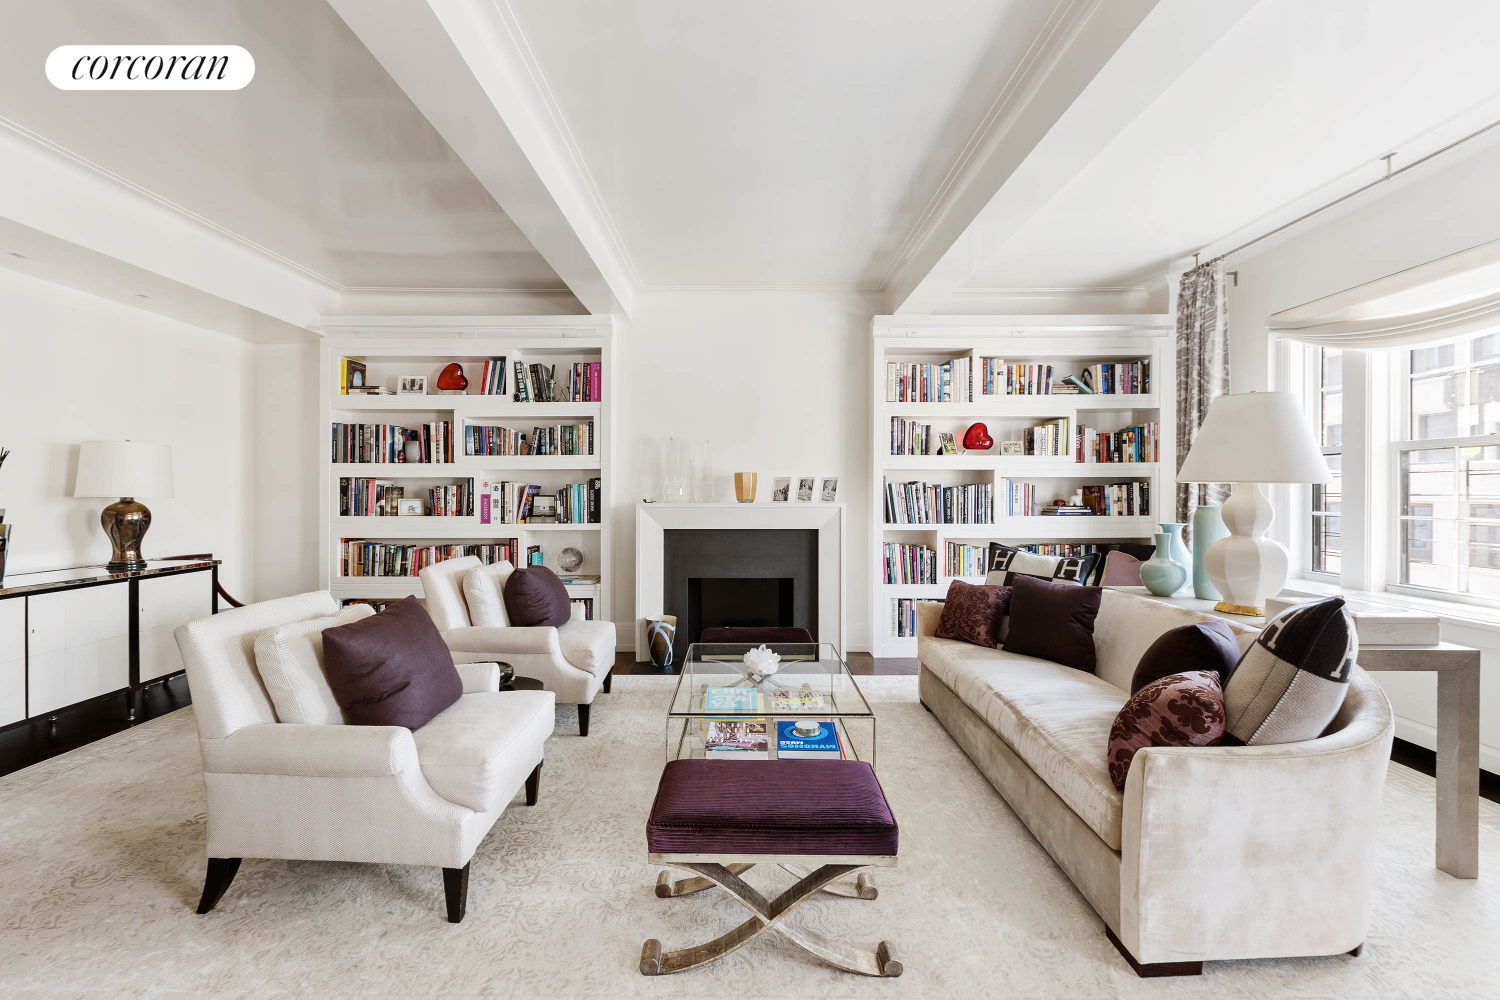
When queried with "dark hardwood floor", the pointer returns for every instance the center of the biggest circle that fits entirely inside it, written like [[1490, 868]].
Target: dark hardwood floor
[[26, 743], [860, 664]]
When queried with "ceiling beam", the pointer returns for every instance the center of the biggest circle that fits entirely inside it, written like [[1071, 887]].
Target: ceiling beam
[[1117, 58], [466, 67]]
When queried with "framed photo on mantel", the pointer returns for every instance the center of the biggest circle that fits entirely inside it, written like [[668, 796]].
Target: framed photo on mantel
[[830, 491], [783, 489], [805, 488]]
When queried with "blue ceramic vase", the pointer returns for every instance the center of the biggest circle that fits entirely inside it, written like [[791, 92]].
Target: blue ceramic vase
[[1208, 527], [1163, 575]]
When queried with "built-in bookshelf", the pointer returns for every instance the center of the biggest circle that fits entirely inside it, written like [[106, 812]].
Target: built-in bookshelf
[[1115, 445], [473, 452]]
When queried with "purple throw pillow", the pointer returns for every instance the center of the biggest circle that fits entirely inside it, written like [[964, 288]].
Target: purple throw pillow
[[972, 613], [535, 596], [1179, 710], [391, 669], [1053, 621], [1199, 646]]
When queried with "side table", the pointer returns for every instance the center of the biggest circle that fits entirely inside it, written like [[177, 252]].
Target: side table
[[1457, 668]]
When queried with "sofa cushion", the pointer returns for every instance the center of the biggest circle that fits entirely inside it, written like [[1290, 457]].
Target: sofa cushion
[[588, 645], [1179, 710], [1290, 683], [1057, 719], [1199, 646], [1127, 626], [1054, 621], [391, 669], [484, 593], [535, 596], [483, 745], [972, 614], [289, 659], [1007, 562]]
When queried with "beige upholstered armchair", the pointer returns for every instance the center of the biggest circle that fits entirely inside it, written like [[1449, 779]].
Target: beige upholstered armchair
[[335, 792], [573, 661]]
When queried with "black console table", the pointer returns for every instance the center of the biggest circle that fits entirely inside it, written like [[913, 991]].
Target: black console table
[[65, 637]]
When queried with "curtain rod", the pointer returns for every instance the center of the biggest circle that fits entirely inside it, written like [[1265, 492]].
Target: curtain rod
[[1389, 174]]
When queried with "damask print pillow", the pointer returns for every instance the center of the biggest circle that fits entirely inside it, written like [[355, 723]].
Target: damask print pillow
[[972, 613], [1179, 710]]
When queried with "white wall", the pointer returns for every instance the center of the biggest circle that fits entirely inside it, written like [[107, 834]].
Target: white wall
[[776, 380], [286, 441], [1439, 213], [76, 368]]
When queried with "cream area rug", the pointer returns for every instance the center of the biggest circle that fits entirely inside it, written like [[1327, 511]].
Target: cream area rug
[[102, 858]]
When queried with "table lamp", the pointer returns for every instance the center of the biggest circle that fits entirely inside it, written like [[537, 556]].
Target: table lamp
[[124, 469], [1249, 438]]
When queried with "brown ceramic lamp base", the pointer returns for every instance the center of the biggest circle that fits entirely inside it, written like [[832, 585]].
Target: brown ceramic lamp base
[[125, 522]]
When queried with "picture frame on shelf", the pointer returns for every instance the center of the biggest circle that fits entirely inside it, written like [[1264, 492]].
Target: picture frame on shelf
[[1012, 448], [805, 485], [782, 491], [829, 492], [412, 385], [410, 508]]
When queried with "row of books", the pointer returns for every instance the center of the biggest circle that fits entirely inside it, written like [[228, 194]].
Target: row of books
[[962, 559], [1017, 499], [1140, 443], [996, 378], [559, 439], [585, 605], [538, 383], [492, 379], [1053, 439], [911, 437], [750, 739], [1117, 377], [903, 617], [1075, 549], [910, 563], [933, 503], [523, 503], [914, 382], [358, 557], [1132, 499], [386, 443], [380, 498]]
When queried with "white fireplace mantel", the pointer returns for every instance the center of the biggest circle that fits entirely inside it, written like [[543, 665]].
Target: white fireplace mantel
[[653, 519]]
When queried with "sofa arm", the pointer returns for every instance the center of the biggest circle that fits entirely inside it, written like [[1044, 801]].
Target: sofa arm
[[1255, 852], [929, 613], [479, 677], [313, 751], [503, 639]]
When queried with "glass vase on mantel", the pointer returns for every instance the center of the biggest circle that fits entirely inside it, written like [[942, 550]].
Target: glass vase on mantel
[[673, 472], [705, 483]]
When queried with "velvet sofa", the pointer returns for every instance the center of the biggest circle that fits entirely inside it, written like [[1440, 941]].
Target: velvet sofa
[[1210, 852]]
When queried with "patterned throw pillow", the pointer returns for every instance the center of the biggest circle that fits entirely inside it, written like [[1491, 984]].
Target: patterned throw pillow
[[1006, 563], [1179, 710], [1290, 683], [972, 613]]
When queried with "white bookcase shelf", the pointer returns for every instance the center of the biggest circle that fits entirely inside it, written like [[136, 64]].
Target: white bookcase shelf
[[1067, 343], [389, 354]]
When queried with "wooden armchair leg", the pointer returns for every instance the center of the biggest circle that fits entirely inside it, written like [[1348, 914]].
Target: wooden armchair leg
[[583, 720], [533, 785], [221, 872], [456, 889]]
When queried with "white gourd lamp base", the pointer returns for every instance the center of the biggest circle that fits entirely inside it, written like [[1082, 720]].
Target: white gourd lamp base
[[1246, 567]]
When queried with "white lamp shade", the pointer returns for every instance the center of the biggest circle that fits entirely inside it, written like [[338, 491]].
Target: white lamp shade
[[1255, 437], [123, 469]]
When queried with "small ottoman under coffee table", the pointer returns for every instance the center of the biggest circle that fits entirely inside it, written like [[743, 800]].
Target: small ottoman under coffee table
[[719, 818]]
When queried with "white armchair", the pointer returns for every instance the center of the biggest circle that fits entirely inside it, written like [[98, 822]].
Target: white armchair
[[573, 661], [380, 794]]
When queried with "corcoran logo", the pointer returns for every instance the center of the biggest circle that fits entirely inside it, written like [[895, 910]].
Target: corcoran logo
[[150, 67]]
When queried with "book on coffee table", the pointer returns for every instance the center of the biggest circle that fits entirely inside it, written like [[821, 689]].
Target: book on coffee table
[[735, 740], [825, 745], [731, 699]]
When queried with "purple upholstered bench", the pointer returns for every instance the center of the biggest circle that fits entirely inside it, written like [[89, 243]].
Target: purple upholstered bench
[[719, 818]]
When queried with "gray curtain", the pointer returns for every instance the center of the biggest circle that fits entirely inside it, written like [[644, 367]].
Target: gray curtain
[[1202, 372]]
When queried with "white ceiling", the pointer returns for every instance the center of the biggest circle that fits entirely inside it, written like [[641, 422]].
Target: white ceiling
[[321, 160], [1299, 95], [775, 142]]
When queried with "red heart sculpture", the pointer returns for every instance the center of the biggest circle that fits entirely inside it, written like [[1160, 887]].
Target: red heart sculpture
[[453, 377], [977, 438]]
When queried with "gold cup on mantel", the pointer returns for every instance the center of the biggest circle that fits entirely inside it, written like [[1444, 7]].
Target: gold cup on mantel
[[744, 486]]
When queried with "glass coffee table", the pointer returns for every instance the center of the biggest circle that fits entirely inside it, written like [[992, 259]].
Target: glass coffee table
[[810, 708]]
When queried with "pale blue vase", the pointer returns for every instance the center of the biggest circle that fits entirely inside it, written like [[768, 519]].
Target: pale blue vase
[[1178, 548], [1208, 527], [1163, 575]]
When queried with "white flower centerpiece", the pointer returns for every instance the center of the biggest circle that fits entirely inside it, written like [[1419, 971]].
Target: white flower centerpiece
[[761, 663]]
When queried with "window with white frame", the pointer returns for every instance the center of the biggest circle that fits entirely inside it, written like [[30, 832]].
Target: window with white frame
[[1327, 500], [1448, 469]]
